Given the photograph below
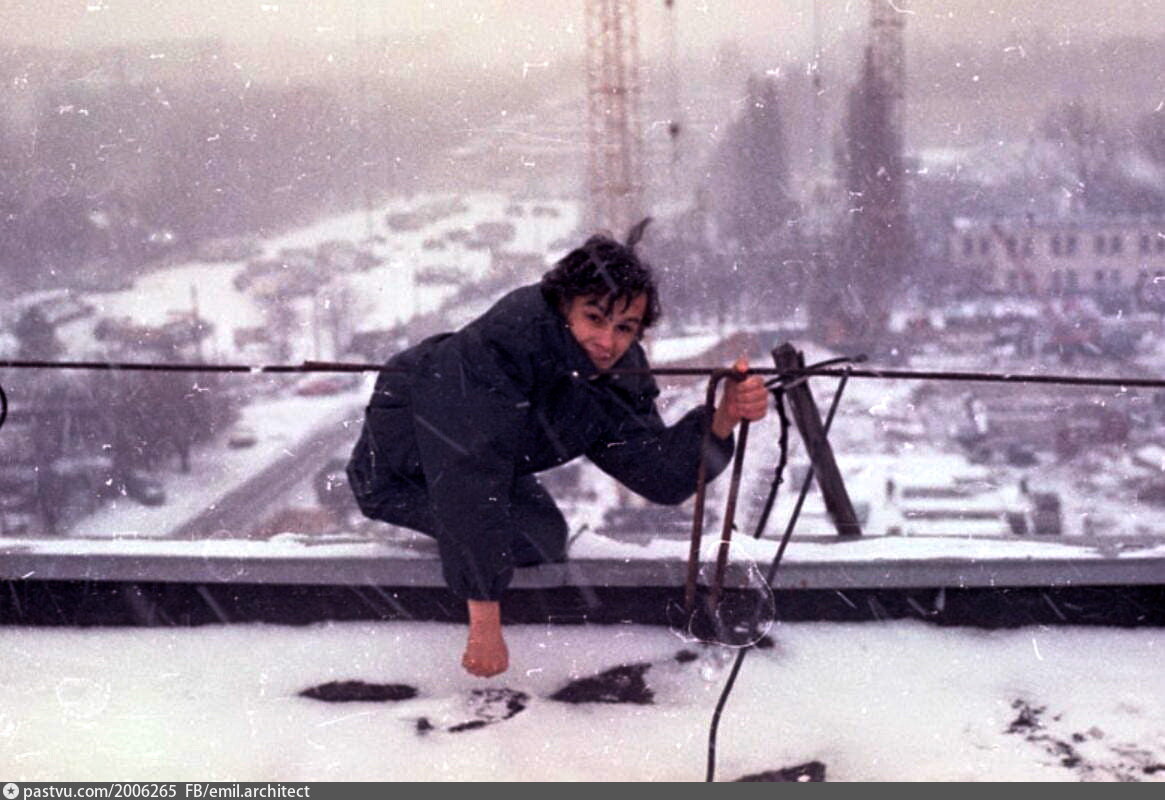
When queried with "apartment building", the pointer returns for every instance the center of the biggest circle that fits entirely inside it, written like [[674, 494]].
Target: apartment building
[[1069, 255]]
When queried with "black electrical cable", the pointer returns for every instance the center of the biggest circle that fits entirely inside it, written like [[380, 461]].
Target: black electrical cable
[[782, 459], [710, 774], [3, 407]]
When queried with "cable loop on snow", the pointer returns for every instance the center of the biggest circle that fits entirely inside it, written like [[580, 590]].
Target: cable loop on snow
[[710, 773]]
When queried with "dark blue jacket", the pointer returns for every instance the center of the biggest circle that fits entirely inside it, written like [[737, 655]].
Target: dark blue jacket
[[510, 394]]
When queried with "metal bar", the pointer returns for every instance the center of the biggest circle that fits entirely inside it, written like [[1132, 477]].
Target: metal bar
[[701, 492], [729, 518]]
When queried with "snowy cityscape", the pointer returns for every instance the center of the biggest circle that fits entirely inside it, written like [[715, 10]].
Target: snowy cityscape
[[212, 242]]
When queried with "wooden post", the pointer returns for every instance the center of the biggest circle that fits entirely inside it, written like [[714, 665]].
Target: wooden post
[[808, 420]]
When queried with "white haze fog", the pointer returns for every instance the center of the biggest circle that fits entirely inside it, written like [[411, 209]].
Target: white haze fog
[[482, 26]]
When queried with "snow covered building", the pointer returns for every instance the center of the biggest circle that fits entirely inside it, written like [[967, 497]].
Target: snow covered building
[[1061, 255]]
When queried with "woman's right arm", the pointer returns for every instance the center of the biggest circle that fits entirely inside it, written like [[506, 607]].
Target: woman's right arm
[[486, 653]]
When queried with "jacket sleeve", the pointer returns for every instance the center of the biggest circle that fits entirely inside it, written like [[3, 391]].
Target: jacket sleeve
[[657, 461], [469, 406]]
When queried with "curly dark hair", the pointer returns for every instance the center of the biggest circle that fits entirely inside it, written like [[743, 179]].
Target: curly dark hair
[[607, 269]]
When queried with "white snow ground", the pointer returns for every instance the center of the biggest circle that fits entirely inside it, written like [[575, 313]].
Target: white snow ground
[[872, 702]]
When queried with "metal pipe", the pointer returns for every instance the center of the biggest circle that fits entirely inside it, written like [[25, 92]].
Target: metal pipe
[[729, 519], [701, 492]]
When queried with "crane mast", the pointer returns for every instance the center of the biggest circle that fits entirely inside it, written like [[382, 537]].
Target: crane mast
[[614, 128]]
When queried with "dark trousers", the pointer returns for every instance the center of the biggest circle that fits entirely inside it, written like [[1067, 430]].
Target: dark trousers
[[539, 527]]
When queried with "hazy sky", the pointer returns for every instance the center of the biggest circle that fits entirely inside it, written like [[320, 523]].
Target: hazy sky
[[547, 29]]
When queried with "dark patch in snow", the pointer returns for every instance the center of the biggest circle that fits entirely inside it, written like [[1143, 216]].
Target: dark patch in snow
[[1029, 723], [1028, 719], [765, 643], [360, 692], [622, 684], [424, 726], [809, 772], [491, 705], [1123, 763], [686, 656]]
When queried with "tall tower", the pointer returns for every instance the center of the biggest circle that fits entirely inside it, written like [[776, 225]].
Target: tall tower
[[614, 128], [888, 50]]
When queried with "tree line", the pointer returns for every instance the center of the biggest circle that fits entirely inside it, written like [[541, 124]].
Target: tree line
[[760, 243]]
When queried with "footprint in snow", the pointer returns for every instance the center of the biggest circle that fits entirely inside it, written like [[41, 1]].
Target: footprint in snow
[[622, 684], [625, 683], [479, 708], [360, 692]]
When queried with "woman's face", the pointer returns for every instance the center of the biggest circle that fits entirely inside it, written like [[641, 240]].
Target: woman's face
[[605, 336]]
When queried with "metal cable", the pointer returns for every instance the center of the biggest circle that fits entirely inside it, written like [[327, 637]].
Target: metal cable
[[823, 369]]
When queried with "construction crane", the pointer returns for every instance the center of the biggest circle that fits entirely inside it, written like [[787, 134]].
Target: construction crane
[[614, 188]]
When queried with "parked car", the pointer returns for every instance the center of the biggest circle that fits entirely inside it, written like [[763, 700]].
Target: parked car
[[15, 523], [87, 472], [1019, 455], [242, 436], [144, 488], [17, 487]]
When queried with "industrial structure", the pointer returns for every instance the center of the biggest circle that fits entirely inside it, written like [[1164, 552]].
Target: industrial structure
[[614, 125]]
